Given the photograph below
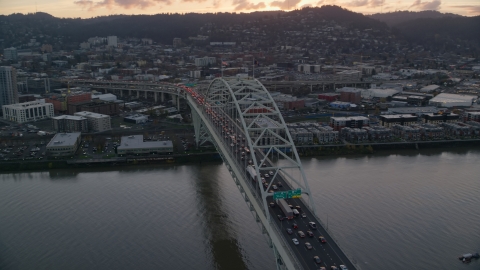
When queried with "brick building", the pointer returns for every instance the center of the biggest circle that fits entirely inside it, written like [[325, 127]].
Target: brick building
[[96, 106]]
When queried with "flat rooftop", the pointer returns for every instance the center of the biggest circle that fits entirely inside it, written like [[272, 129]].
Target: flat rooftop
[[69, 117], [136, 141], [64, 139], [91, 115]]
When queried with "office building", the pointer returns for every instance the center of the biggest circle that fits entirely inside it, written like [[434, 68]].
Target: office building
[[96, 122], [8, 86], [27, 111], [64, 144], [70, 123]]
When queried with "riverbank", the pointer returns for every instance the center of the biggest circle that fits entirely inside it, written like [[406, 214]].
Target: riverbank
[[303, 151], [40, 165]]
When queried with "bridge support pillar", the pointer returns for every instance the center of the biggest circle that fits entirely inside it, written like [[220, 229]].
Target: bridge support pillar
[[162, 97], [121, 93], [138, 93], [155, 96], [201, 134], [130, 92], [145, 94], [178, 103]]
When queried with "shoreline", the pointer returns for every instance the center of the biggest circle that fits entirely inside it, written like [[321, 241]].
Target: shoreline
[[303, 151]]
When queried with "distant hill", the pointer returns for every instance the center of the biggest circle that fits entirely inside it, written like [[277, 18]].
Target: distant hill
[[451, 28], [398, 17]]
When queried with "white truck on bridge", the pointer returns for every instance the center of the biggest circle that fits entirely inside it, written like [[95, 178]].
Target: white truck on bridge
[[252, 172]]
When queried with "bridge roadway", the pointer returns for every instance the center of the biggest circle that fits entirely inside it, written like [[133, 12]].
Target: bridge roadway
[[329, 252]]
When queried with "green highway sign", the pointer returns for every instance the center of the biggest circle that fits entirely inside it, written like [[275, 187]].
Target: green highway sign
[[289, 194]]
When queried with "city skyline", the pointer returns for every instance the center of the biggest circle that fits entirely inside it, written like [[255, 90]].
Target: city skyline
[[93, 8]]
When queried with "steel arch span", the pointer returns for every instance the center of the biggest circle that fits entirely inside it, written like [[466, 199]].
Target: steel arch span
[[255, 116]]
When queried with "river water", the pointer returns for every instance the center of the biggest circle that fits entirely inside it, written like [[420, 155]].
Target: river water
[[402, 210]]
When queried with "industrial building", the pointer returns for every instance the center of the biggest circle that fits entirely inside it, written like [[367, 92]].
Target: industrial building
[[330, 97], [28, 111], [70, 123], [134, 145], [452, 100], [64, 144], [96, 122]]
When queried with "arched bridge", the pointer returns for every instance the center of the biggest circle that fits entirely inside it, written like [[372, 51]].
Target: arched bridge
[[243, 122]]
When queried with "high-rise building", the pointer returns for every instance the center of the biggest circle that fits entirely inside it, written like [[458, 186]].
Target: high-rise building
[[10, 54], [8, 86], [112, 41]]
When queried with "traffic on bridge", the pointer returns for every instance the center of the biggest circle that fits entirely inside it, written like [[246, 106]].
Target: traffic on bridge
[[290, 217]]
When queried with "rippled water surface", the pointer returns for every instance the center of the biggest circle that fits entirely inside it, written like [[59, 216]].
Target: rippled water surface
[[409, 210]]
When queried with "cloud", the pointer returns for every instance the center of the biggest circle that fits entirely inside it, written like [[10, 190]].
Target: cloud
[[285, 4], [471, 10], [245, 5], [433, 5], [326, 2], [126, 4], [364, 3]]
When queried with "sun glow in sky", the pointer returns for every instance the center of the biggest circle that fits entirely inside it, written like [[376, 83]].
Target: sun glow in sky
[[93, 8]]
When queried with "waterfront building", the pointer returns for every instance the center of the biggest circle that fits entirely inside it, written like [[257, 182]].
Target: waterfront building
[[436, 118], [70, 123], [409, 133], [8, 86], [134, 145], [337, 123], [27, 111], [96, 122], [64, 144], [398, 119], [354, 135]]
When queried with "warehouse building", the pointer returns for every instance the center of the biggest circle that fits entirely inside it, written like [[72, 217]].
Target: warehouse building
[[452, 100], [134, 145]]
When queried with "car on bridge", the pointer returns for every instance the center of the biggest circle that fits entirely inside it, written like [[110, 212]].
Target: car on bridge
[[295, 241], [343, 267], [308, 245], [312, 225], [301, 234], [310, 233], [289, 231], [317, 260], [322, 239]]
